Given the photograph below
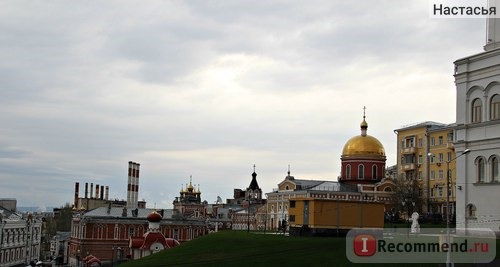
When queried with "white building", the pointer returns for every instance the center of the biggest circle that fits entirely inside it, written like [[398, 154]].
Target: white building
[[20, 238], [477, 80]]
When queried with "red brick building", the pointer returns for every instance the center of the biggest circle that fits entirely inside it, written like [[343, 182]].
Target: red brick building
[[152, 241], [105, 232]]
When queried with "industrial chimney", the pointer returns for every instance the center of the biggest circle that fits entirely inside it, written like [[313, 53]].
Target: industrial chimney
[[77, 189], [133, 185]]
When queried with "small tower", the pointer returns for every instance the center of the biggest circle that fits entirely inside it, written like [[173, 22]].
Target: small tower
[[253, 191]]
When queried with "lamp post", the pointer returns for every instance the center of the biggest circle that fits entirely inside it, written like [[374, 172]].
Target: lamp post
[[248, 217], [448, 253], [78, 257]]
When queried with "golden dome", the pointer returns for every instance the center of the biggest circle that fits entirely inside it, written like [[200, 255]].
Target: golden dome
[[363, 145]]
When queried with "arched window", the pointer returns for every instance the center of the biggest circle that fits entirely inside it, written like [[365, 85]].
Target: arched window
[[477, 109], [495, 107], [480, 169], [361, 171], [470, 211], [348, 171], [494, 169], [374, 172]]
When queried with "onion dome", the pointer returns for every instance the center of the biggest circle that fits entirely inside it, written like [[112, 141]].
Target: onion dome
[[154, 217], [363, 145]]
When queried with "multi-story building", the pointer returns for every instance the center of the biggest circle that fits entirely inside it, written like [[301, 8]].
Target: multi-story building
[[20, 238], [477, 137], [425, 152], [105, 233]]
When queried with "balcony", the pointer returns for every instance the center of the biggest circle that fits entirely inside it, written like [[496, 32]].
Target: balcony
[[409, 166], [408, 150]]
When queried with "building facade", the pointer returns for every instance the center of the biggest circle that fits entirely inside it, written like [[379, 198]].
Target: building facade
[[152, 241], [20, 238], [104, 233], [328, 217], [477, 80], [425, 152]]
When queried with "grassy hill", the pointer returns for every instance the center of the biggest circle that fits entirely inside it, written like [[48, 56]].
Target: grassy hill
[[239, 248]]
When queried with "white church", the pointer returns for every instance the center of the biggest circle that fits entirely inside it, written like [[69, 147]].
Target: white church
[[477, 80]]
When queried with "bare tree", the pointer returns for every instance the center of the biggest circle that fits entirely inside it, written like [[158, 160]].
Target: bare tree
[[407, 196]]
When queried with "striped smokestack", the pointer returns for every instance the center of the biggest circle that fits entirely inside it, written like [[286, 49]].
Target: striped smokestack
[[106, 196], [133, 185], [97, 191], [102, 192], [77, 189]]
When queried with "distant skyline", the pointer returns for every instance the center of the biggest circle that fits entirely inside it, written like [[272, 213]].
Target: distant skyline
[[210, 88]]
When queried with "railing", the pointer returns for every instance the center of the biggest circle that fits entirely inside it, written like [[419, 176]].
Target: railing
[[409, 166], [408, 150]]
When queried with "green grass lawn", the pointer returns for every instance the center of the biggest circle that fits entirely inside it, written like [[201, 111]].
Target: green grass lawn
[[239, 248]]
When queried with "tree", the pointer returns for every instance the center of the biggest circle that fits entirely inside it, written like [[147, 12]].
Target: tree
[[407, 196], [63, 218]]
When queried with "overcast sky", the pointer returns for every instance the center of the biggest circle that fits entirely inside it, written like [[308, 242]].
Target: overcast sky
[[209, 88]]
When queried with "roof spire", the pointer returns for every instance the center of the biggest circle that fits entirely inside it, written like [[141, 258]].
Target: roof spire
[[254, 168], [288, 170], [364, 124]]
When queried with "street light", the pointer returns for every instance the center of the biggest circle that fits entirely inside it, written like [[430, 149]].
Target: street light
[[448, 254]]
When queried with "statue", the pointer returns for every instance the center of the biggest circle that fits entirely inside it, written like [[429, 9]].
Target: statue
[[415, 227]]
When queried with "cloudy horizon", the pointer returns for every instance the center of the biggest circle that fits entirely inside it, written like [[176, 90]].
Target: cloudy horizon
[[210, 88]]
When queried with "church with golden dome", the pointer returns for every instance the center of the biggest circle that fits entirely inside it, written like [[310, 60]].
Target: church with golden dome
[[363, 158]]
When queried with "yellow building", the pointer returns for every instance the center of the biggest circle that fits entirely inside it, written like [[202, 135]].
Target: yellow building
[[423, 152], [313, 216]]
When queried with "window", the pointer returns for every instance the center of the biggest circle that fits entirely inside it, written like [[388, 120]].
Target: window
[[419, 159], [440, 140], [409, 142], [420, 175], [477, 108], [292, 218], [116, 232], [348, 171], [433, 175], [420, 142], [494, 169], [403, 144], [292, 203], [441, 158], [432, 158], [495, 107], [480, 170], [450, 137], [432, 192], [471, 211], [440, 174], [449, 156], [131, 232], [361, 171], [374, 172], [433, 141], [440, 191]]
